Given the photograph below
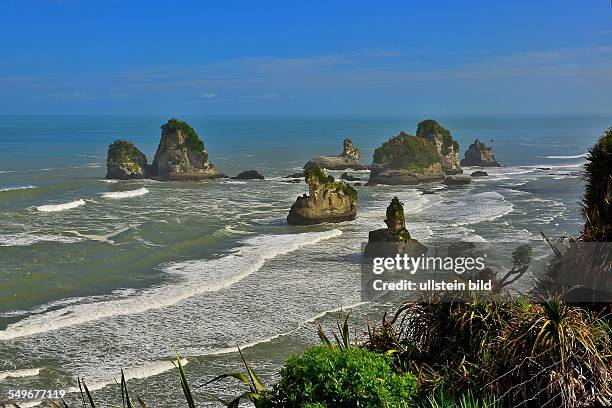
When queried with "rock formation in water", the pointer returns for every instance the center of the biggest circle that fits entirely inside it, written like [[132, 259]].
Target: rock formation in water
[[125, 161], [328, 201], [395, 239], [348, 159], [429, 156], [478, 154], [249, 175], [457, 180], [180, 156], [406, 159], [441, 138], [479, 173]]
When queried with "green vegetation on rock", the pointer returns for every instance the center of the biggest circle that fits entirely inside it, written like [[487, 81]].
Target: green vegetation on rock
[[316, 176], [430, 126], [396, 220], [406, 152], [193, 140], [347, 377]]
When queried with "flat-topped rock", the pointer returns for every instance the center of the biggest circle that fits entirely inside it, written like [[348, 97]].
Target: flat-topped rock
[[348, 159], [479, 173], [457, 180], [478, 154], [249, 175], [328, 201]]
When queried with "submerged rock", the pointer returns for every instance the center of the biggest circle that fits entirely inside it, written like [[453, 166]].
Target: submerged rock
[[447, 148], [249, 175], [124, 161], [457, 180], [328, 201], [348, 177], [478, 154], [181, 154], [296, 175], [395, 239], [406, 159], [348, 159], [479, 173]]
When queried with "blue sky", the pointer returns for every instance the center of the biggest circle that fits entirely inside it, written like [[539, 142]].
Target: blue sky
[[306, 57]]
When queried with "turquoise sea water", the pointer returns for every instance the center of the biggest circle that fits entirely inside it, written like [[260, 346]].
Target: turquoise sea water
[[96, 276]]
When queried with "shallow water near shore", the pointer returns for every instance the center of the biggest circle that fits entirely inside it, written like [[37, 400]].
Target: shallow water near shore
[[98, 275]]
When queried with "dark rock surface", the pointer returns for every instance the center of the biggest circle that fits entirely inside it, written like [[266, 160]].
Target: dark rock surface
[[478, 154], [249, 175]]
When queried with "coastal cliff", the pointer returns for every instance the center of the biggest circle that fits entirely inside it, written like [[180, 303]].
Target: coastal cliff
[[180, 156], [328, 201], [124, 161], [395, 239], [348, 159], [478, 154]]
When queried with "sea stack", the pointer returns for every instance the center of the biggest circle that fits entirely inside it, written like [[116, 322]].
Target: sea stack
[[447, 148], [124, 161], [427, 157], [395, 239], [328, 200], [478, 154], [181, 154], [406, 159], [348, 159]]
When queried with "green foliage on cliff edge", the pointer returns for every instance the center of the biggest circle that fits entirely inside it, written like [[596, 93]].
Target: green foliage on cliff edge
[[193, 140], [122, 149], [406, 152]]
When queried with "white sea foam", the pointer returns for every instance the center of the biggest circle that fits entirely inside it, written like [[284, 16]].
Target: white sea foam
[[4, 189], [24, 372], [26, 239], [144, 370], [198, 276], [61, 207], [109, 180], [125, 194], [578, 156]]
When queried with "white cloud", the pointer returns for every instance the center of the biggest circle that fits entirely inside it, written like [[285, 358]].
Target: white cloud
[[208, 95]]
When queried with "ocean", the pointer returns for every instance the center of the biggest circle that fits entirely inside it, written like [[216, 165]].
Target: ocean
[[101, 275]]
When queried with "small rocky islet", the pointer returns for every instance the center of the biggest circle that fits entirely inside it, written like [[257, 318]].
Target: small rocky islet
[[180, 156], [348, 159], [328, 200]]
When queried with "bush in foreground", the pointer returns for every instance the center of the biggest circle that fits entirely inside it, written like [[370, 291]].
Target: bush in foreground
[[334, 377]]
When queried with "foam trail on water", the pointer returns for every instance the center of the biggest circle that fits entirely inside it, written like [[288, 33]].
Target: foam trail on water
[[25, 372], [198, 276], [578, 156], [137, 372], [4, 189], [25, 239], [125, 194], [61, 207]]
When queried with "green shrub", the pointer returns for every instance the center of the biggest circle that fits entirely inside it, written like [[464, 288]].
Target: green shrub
[[336, 377]]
